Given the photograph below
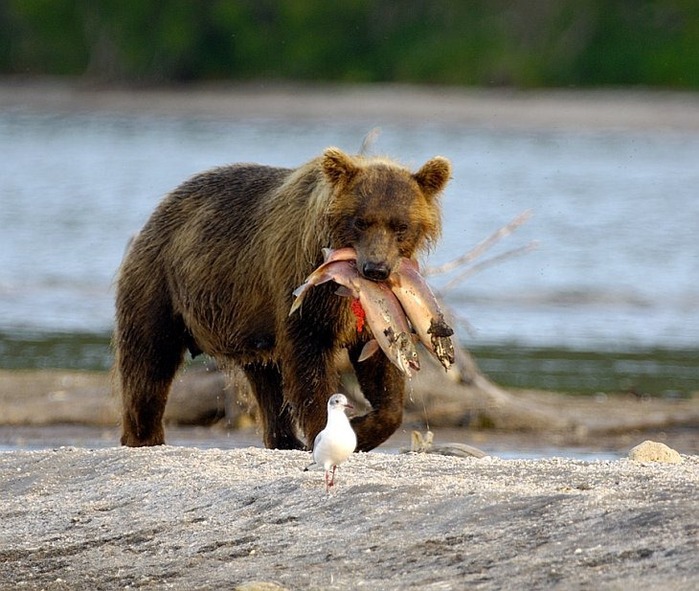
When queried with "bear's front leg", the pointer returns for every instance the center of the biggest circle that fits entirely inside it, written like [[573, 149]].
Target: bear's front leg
[[383, 385], [308, 384], [309, 373]]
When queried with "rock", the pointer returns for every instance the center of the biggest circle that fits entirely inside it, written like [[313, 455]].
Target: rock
[[653, 451], [425, 444]]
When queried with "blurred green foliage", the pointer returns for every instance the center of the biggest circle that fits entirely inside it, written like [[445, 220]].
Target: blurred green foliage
[[534, 43]]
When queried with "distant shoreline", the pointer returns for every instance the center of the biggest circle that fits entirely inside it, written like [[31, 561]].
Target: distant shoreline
[[629, 109]]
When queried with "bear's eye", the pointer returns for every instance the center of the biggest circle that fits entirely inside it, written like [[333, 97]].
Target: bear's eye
[[361, 224], [399, 227], [400, 230]]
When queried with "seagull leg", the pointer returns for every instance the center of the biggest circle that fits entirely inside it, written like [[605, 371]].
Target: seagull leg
[[328, 483]]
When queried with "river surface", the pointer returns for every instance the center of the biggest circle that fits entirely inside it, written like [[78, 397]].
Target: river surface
[[615, 215], [14, 437]]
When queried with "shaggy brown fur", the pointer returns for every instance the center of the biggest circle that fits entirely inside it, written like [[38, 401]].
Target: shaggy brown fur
[[214, 268]]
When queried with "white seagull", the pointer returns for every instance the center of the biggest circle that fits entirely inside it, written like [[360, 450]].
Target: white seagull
[[334, 444]]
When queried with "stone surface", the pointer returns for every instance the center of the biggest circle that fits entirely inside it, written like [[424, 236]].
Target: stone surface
[[653, 451]]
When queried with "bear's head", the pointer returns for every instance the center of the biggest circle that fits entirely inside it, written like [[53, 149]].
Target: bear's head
[[382, 209]]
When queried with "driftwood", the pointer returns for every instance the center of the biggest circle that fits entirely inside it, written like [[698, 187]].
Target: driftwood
[[435, 400], [202, 395], [53, 397]]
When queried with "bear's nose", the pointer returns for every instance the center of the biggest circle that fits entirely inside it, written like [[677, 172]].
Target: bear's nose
[[376, 271]]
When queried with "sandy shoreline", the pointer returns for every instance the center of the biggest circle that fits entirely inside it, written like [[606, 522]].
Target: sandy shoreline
[[182, 518], [374, 105], [100, 516]]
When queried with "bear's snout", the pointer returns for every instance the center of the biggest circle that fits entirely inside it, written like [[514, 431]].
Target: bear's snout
[[376, 271]]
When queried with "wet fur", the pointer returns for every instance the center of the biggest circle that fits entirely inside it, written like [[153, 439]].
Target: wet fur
[[213, 271]]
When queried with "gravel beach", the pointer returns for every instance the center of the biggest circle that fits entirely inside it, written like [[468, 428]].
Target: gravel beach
[[183, 518]]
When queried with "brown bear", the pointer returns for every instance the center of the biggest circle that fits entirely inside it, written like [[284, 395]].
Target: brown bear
[[213, 271]]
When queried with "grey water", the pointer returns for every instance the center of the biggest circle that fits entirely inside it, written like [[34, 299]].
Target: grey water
[[615, 215], [35, 438]]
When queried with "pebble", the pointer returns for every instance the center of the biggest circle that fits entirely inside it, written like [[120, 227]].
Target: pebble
[[260, 586]]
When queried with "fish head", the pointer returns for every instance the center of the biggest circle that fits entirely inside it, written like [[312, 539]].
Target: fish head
[[403, 352], [331, 255], [440, 337]]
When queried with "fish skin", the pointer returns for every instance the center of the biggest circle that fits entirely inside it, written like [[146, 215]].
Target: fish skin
[[388, 324], [339, 254], [423, 311], [321, 275], [384, 314]]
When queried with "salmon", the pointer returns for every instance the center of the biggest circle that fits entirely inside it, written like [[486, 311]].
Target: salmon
[[388, 324], [423, 311], [383, 311], [321, 274]]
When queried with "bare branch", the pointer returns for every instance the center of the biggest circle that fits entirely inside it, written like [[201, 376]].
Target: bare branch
[[369, 140], [481, 247], [473, 269]]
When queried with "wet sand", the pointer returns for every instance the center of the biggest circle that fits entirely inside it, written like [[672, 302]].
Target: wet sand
[[51, 408]]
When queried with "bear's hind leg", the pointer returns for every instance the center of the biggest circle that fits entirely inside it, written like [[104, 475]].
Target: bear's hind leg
[[148, 355], [277, 421]]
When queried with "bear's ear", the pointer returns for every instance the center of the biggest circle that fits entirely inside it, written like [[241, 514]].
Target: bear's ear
[[338, 167], [433, 176]]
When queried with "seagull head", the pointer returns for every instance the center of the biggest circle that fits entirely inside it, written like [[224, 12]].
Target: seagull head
[[338, 402]]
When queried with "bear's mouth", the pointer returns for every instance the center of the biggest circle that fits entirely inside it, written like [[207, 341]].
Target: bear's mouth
[[400, 307]]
